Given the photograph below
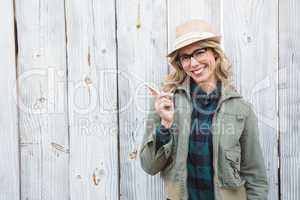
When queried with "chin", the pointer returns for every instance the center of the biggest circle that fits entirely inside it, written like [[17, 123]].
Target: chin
[[200, 79]]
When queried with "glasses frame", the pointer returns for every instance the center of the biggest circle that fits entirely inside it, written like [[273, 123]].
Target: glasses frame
[[191, 55]]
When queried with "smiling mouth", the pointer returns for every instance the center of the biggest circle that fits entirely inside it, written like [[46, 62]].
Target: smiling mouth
[[198, 71]]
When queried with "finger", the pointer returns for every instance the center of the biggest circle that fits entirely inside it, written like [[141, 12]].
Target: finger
[[166, 94], [167, 101], [165, 105], [169, 98], [153, 92]]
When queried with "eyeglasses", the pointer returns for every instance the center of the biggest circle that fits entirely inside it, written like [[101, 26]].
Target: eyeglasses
[[185, 59]]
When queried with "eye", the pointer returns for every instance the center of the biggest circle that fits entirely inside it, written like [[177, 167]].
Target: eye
[[184, 58], [199, 52]]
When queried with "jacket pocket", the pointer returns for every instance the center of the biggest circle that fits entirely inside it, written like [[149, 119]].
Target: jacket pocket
[[234, 161], [231, 177]]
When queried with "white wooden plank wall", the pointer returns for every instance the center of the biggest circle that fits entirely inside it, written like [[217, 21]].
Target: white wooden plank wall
[[42, 99], [250, 31], [9, 151], [142, 42], [289, 98], [92, 95], [78, 62]]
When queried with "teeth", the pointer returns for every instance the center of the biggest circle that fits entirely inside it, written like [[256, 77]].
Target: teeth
[[198, 71]]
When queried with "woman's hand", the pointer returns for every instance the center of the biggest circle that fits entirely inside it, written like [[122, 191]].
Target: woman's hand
[[164, 106]]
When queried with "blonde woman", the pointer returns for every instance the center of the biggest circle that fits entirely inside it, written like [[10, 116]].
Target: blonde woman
[[201, 135]]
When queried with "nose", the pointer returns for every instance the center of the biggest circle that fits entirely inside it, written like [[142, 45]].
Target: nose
[[194, 62]]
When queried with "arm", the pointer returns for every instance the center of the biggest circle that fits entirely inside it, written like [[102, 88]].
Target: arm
[[252, 162], [156, 147]]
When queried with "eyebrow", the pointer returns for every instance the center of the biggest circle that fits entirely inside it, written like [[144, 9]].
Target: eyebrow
[[181, 54]]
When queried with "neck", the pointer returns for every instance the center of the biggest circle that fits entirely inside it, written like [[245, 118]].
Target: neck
[[208, 86]]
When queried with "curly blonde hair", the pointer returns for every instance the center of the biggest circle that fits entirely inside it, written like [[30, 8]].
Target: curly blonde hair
[[223, 67]]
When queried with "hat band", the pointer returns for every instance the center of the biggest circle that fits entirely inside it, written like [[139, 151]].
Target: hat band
[[192, 35]]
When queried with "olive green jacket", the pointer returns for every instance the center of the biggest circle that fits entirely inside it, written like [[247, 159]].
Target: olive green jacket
[[239, 169]]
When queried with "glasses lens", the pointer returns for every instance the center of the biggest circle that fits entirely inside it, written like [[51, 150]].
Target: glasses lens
[[199, 53], [184, 59]]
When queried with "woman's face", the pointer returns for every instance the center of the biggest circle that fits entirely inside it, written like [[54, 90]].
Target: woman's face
[[201, 66]]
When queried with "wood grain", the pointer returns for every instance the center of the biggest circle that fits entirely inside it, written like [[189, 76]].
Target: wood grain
[[42, 100], [92, 95], [289, 98], [9, 150], [142, 42]]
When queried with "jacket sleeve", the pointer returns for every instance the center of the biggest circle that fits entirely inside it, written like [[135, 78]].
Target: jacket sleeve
[[154, 159], [163, 135], [252, 162]]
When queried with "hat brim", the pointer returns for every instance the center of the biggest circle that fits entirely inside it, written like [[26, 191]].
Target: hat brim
[[187, 42]]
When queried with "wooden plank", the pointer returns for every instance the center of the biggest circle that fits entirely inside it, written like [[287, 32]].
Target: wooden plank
[[9, 151], [250, 41], [42, 89], [142, 45], [289, 98], [92, 96]]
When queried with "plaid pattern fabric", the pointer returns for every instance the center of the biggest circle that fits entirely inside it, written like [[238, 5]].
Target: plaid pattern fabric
[[200, 156]]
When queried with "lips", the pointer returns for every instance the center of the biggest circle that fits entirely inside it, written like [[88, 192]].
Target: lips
[[198, 71]]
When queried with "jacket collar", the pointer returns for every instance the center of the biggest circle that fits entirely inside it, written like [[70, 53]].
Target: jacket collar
[[227, 91]]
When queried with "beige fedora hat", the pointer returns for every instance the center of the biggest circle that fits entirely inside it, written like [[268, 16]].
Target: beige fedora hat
[[193, 31]]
